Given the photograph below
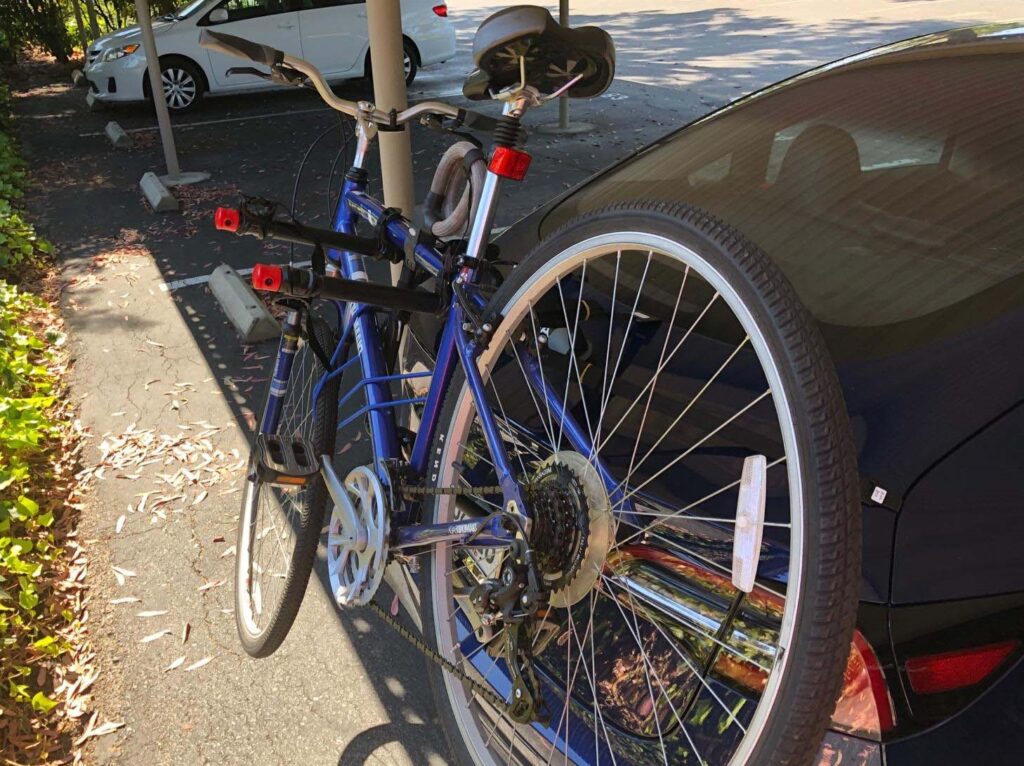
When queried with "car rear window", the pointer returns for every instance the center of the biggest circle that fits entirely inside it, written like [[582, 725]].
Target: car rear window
[[887, 190]]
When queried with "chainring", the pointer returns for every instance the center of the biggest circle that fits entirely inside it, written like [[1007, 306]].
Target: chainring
[[357, 539]]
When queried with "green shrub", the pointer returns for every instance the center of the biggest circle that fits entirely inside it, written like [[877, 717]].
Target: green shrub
[[19, 244], [29, 439]]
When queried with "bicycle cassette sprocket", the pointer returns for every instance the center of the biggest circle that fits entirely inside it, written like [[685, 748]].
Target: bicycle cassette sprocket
[[357, 538]]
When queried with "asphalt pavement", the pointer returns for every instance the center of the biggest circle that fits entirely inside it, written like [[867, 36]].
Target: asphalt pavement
[[154, 351]]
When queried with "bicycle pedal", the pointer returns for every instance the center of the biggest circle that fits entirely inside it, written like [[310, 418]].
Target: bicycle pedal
[[285, 460]]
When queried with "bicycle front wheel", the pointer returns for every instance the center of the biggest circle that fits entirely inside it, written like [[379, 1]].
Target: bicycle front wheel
[[689, 373], [279, 525]]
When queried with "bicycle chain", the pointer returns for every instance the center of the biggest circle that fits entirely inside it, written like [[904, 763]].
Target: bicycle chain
[[431, 654], [434, 656]]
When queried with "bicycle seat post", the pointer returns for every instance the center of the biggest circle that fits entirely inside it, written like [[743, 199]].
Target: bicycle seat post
[[507, 135]]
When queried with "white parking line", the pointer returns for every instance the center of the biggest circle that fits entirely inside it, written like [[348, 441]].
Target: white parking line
[[170, 287]]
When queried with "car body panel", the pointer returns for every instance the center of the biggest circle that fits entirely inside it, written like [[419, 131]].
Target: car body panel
[[333, 36]]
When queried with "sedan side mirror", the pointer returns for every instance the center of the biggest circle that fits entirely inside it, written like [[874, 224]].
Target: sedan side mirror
[[218, 16]]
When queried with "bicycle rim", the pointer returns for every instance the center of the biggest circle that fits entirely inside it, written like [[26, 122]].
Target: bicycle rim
[[275, 518], [663, 661]]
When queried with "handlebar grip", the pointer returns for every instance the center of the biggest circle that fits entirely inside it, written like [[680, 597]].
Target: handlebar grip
[[241, 48]]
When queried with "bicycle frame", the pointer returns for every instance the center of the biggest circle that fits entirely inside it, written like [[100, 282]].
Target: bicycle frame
[[358, 325]]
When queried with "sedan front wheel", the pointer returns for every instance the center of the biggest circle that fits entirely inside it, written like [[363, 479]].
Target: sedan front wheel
[[183, 85]]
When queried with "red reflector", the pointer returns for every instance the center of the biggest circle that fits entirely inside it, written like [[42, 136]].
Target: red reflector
[[955, 670], [441, 10], [226, 219], [509, 163], [864, 706], [267, 277]]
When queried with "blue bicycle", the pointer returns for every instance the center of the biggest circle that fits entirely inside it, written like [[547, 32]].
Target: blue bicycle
[[624, 515]]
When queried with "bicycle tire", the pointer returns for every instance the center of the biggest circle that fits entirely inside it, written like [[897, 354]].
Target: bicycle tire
[[811, 668], [310, 502]]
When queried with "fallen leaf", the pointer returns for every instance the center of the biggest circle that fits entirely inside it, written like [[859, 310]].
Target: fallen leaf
[[200, 497], [122, 574], [152, 613], [229, 552], [154, 343], [155, 636], [99, 731], [211, 584], [198, 664], [125, 600], [186, 631], [176, 663], [120, 524]]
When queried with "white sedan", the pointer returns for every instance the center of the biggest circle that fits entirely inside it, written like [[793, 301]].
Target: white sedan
[[332, 34]]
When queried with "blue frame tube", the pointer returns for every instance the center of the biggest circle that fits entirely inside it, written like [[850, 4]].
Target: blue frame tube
[[483, 533], [286, 349], [383, 433], [444, 367]]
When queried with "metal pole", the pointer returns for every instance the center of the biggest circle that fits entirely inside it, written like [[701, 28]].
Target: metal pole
[[384, 19], [163, 118], [563, 102], [83, 37], [94, 27]]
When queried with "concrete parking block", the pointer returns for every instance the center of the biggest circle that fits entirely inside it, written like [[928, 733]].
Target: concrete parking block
[[247, 313], [158, 196], [78, 78], [117, 136]]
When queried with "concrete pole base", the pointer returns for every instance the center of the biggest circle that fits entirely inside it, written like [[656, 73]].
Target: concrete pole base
[[572, 129], [184, 179]]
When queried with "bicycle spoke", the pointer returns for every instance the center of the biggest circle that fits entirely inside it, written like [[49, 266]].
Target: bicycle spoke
[[658, 370], [543, 383], [683, 455], [653, 672], [680, 513]]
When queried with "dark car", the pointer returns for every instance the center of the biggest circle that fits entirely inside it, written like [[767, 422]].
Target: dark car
[[889, 187]]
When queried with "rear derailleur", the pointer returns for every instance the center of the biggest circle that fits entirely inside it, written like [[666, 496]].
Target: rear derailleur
[[511, 600]]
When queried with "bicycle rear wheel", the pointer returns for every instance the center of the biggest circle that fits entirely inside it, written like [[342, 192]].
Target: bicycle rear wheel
[[279, 525], [687, 363]]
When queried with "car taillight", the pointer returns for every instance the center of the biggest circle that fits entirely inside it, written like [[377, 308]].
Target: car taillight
[[441, 10], [864, 706], [945, 672]]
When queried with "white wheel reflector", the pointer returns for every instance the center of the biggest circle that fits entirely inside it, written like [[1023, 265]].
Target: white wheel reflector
[[746, 547]]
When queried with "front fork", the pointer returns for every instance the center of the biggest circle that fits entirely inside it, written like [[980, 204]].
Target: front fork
[[286, 350]]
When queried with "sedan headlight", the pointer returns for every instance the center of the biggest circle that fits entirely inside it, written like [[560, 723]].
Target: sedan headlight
[[116, 53]]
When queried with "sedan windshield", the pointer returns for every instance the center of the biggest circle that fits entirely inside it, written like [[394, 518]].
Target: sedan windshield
[[187, 10]]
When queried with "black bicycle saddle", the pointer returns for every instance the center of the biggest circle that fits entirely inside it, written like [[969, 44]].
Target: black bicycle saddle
[[553, 55]]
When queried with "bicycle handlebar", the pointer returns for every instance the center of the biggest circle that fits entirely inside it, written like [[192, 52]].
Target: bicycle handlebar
[[307, 284], [239, 47]]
